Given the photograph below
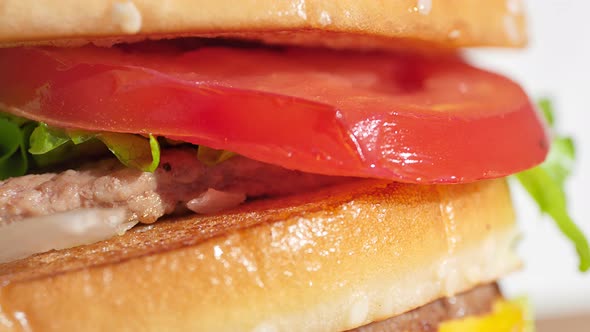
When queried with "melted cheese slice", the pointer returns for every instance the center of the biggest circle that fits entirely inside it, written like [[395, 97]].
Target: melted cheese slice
[[506, 316]]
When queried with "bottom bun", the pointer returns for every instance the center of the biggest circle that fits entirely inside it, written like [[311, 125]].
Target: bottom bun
[[331, 260]]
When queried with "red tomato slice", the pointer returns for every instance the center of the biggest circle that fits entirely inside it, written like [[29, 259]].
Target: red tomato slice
[[412, 119]]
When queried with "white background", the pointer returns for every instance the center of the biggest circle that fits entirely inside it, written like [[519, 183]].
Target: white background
[[556, 64]]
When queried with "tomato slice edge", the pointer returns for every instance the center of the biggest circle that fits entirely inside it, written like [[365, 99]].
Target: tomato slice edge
[[345, 149]]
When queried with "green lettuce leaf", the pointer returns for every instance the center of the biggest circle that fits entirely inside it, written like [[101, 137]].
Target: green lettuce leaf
[[211, 157], [545, 184], [546, 108], [133, 150], [26, 145], [45, 139], [14, 119], [13, 150], [79, 136], [69, 153]]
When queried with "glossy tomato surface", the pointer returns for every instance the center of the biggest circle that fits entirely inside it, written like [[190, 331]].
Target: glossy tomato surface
[[408, 118]]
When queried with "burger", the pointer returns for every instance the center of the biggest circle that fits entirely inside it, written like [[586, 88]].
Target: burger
[[259, 165]]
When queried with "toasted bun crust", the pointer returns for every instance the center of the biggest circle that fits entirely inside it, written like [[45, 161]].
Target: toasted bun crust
[[325, 261], [342, 23]]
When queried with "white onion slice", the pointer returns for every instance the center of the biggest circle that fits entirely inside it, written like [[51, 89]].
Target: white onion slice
[[59, 231], [213, 201]]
